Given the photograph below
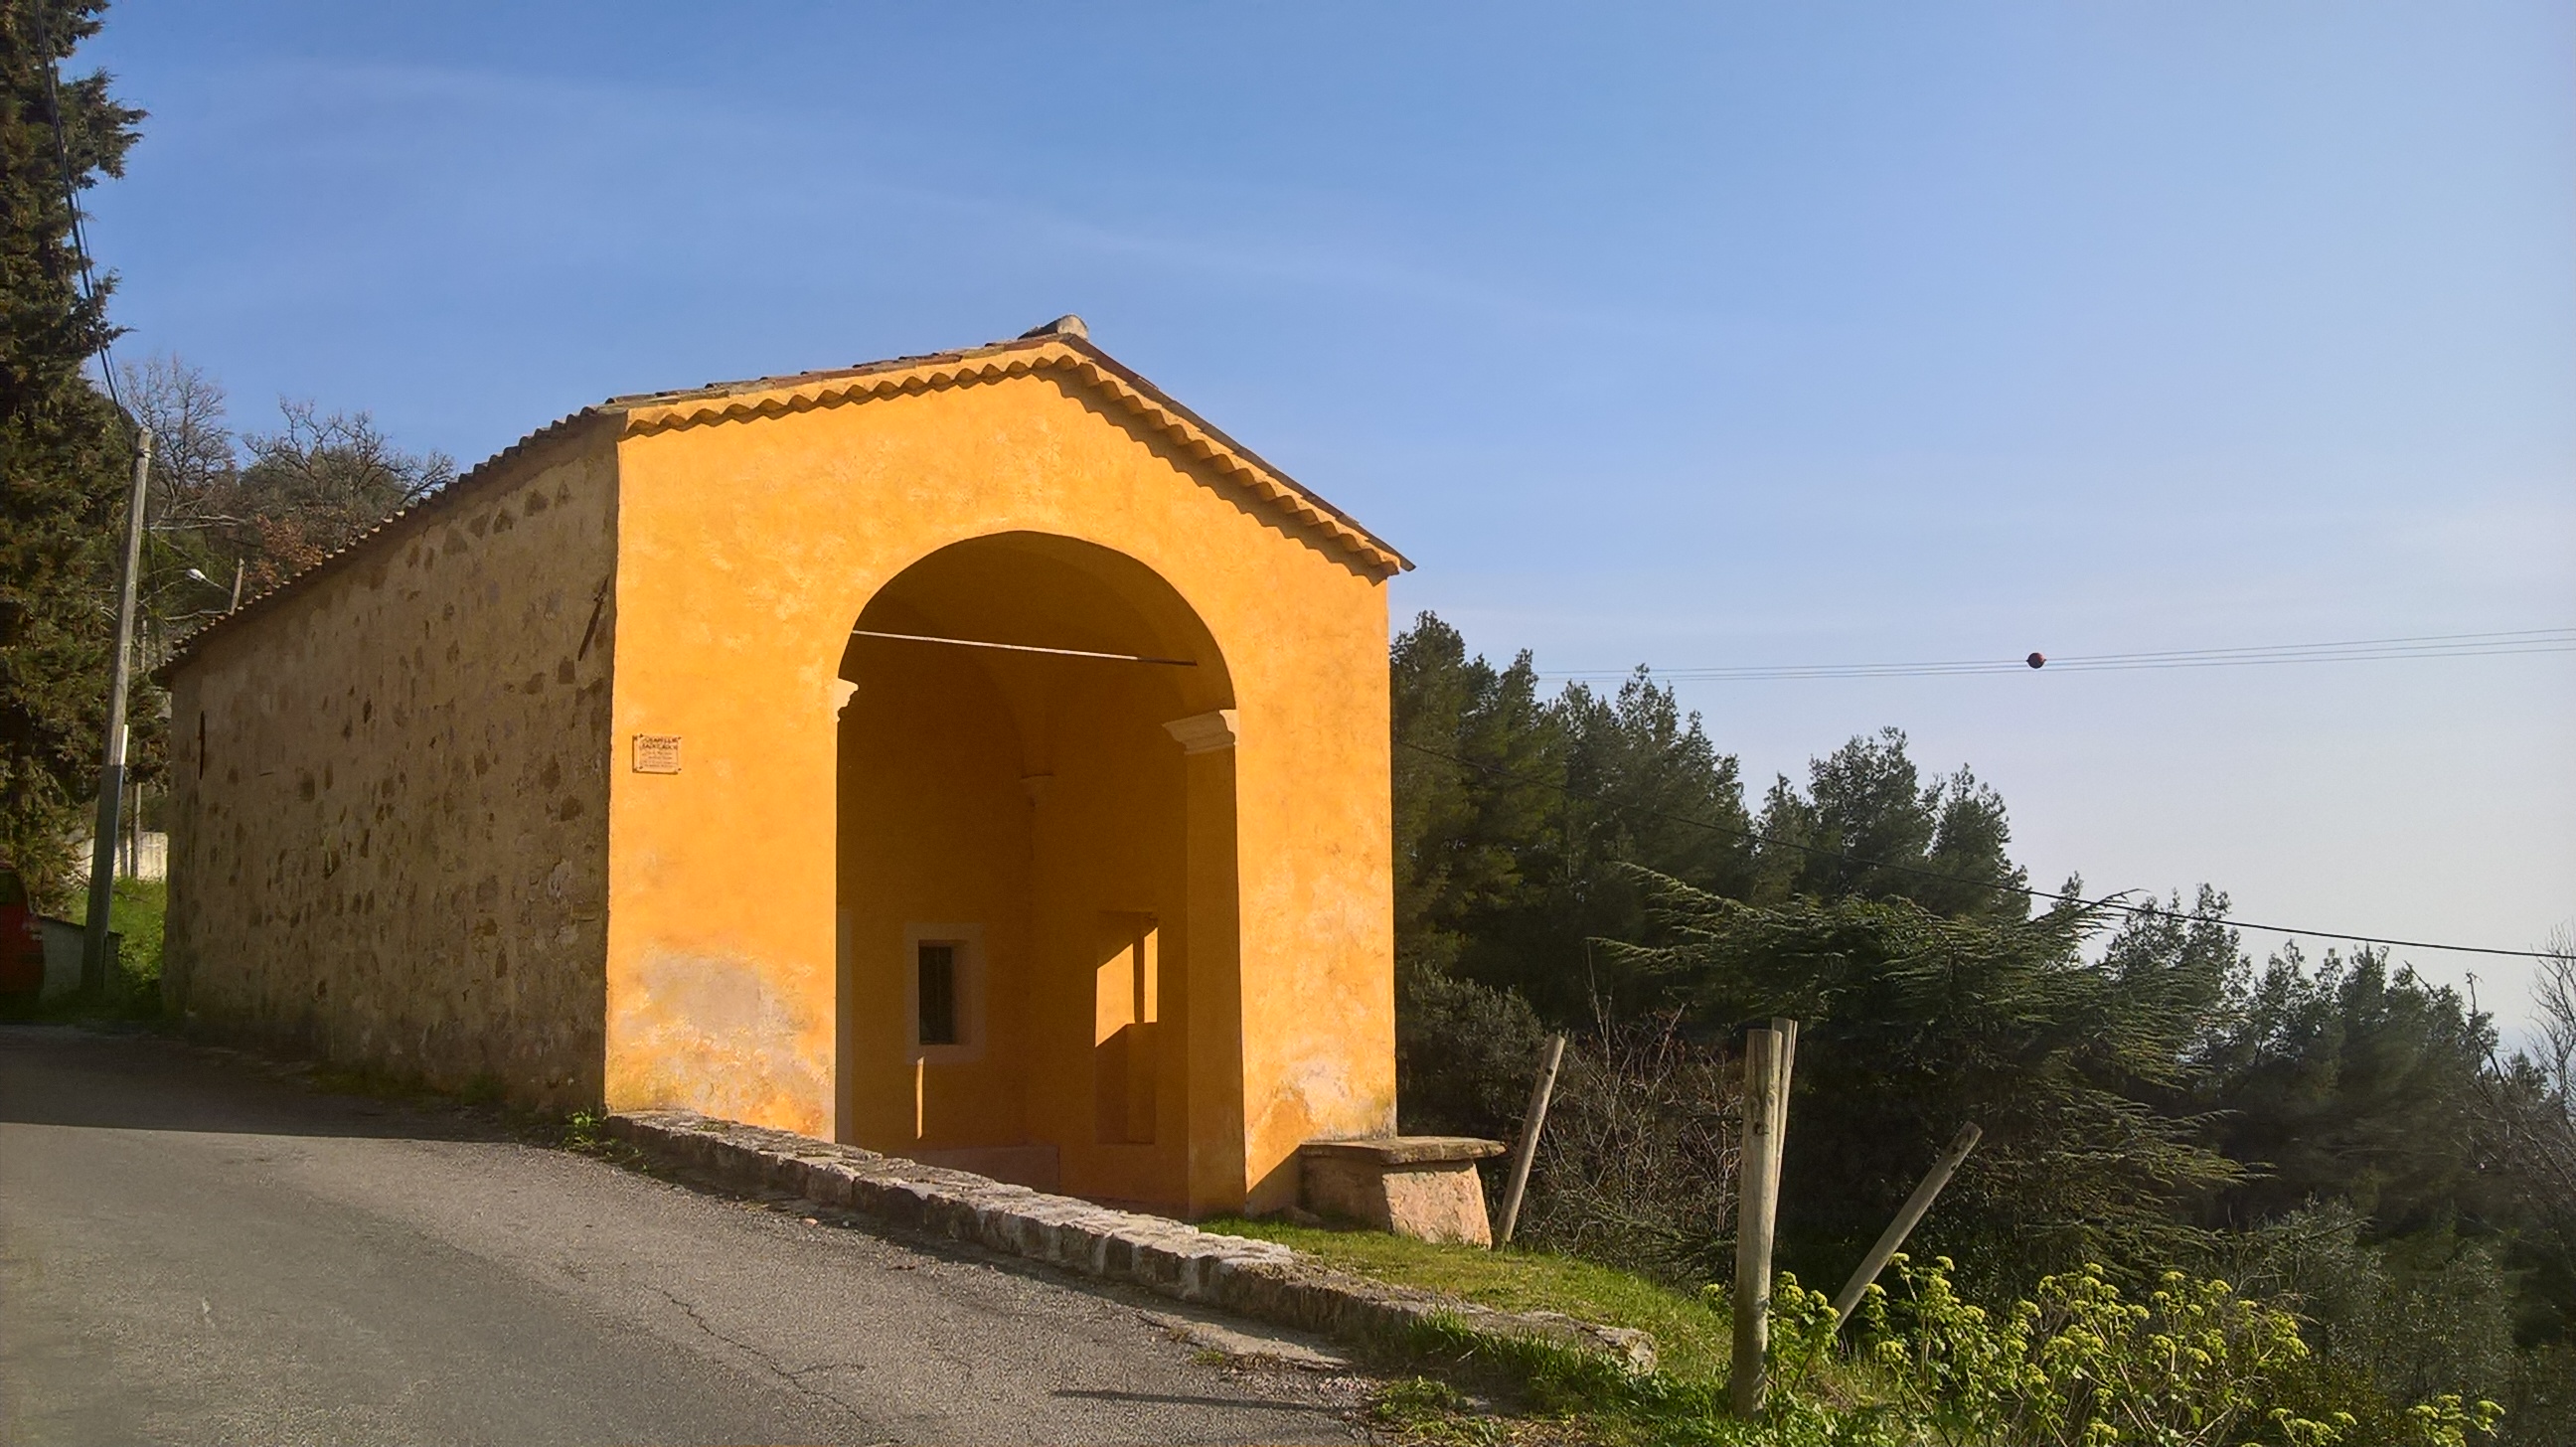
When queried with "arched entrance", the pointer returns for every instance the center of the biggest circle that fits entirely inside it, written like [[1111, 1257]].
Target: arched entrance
[[1017, 840]]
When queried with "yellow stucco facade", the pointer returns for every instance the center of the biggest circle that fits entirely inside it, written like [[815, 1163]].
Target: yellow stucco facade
[[1120, 924]]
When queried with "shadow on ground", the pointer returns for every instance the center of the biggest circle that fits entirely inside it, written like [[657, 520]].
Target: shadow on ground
[[59, 1075]]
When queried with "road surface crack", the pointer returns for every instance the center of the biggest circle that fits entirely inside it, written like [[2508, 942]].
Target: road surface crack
[[794, 1376]]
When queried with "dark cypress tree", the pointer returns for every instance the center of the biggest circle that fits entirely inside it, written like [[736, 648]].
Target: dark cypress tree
[[63, 448]]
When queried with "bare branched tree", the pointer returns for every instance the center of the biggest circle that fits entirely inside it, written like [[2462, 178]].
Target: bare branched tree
[[1638, 1164], [191, 562], [193, 456], [2553, 996], [2526, 1105], [235, 514], [311, 487], [2552, 1133], [238, 514]]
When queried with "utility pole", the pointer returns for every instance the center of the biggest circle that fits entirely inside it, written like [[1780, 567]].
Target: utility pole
[[111, 773]]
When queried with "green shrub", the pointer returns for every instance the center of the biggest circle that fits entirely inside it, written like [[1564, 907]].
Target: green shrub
[[2418, 1315], [2194, 1363], [1465, 1054]]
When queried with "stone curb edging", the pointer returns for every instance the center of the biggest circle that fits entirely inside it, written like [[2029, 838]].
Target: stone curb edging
[[1259, 1279]]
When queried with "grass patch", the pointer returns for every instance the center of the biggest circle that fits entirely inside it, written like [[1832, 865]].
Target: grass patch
[[1565, 1396], [135, 913], [1693, 1341], [1421, 1410]]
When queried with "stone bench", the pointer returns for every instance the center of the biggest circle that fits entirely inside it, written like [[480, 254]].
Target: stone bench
[[1422, 1186]]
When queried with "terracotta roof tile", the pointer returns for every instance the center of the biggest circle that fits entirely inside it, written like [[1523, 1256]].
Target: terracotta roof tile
[[642, 413]]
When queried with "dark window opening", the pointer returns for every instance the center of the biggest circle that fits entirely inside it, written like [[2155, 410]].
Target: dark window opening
[[201, 746], [939, 994]]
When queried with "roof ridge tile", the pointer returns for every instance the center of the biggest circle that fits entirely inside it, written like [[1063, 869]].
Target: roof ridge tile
[[643, 413]]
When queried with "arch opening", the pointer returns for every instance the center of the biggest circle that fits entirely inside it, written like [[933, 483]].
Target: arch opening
[[1018, 834]]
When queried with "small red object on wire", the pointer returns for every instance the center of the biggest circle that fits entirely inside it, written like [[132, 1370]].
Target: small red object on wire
[[2036, 660]]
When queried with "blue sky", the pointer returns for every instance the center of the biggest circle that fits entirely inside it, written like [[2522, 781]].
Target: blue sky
[[1718, 335]]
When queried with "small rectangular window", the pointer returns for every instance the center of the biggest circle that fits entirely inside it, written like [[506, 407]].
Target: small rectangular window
[[938, 963]]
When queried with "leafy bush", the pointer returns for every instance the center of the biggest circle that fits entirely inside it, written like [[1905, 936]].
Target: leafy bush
[[2540, 1406], [2420, 1315], [2191, 1364], [1464, 1053], [2081, 1364]]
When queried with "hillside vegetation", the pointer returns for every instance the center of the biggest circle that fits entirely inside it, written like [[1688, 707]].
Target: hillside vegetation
[[2338, 1140]]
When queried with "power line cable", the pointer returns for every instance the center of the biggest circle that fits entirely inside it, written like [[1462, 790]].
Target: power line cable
[[2117, 902], [2502, 643]]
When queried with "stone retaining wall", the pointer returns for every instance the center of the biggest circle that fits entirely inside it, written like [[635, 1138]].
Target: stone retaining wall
[[1258, 1279]]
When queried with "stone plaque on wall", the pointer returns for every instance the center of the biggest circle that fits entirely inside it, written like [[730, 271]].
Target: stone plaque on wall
[[657, 753]]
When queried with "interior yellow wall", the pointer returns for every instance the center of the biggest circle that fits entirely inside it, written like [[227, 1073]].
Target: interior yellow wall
[[937, 835], [1101, 892], [1040, 800], [1109, 843], [747, 551], [392, 847]]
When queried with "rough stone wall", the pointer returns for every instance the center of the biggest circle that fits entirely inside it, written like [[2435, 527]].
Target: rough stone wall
[[390, 834]]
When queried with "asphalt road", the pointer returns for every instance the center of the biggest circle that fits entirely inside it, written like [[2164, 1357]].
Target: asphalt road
[[194, 1250]]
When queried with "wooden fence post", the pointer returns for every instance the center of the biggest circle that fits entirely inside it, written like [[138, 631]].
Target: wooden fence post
[[1787, 1066], [1906, 1217], [1527, 1150], [1757, 1205]]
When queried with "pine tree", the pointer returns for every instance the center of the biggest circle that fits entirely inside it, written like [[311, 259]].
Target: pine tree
[[63, 448], [1869, 827]]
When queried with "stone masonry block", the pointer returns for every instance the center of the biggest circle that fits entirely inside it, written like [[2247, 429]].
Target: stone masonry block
[[1420, 1186]]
